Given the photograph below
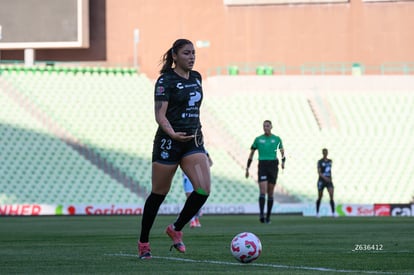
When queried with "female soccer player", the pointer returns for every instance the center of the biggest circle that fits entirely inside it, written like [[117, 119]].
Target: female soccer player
[[325, 180], [178, 142], [267, 144]]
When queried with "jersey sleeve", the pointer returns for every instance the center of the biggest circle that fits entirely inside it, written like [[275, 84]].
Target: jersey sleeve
[[162, 92], [197, 76], [254, 145], [280, 143]]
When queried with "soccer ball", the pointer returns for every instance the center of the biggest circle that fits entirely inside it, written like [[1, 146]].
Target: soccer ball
[[246, 247]]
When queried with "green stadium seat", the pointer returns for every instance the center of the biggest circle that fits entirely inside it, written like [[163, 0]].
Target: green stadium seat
[[233, 70], [111, 118]]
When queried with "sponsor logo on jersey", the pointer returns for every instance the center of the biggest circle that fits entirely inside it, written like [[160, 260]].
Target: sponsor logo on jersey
[[195, 97], [180, 86], [160, 90], [191, 85]]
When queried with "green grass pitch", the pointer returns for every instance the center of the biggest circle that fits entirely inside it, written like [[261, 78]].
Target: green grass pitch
[[291, 245]]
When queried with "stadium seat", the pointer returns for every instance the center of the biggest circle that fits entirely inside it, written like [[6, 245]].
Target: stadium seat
[[112, 120]]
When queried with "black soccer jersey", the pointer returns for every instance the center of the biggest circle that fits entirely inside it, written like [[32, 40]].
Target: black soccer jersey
[[184, 98], [325, 167]]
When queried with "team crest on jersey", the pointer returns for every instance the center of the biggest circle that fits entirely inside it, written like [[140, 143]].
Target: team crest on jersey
[[164, 154], [160, 90]]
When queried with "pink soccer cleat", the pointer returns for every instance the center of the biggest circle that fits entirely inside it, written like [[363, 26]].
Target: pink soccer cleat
[[176, 237], [144, 251]]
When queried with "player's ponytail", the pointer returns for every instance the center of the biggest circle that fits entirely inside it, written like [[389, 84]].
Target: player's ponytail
[[167, 60]]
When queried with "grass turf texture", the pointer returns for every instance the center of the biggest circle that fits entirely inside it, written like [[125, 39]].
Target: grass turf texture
[[291, 245]]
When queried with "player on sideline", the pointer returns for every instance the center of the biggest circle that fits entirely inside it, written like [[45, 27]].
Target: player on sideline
[[325, 180], [178, 142], [267, 144], [188, 189]]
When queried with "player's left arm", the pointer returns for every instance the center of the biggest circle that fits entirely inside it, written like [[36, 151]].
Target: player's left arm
[[282, 153]]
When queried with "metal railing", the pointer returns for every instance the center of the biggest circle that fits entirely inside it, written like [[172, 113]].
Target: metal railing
[[323, 68]]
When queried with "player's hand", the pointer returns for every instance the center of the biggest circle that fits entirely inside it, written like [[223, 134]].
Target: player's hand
[[247, 173], [182, 136], [283, 165]]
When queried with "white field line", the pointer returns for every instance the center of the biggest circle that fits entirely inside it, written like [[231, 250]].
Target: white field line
[[322, 269]]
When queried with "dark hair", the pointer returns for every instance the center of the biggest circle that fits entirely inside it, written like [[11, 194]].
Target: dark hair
[[268, 121], [167, 60]]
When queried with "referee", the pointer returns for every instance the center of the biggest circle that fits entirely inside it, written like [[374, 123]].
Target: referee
[[267, 145]]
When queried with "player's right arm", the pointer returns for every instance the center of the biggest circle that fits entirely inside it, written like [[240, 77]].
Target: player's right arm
[[249, 161], [210, 161], [160, 109]]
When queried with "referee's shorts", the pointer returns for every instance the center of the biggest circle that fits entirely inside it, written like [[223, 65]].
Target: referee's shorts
[[268, 170]]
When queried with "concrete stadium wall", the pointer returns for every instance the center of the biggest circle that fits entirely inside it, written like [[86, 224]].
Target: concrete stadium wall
[[366, 32], [370, 33], [222, 85]]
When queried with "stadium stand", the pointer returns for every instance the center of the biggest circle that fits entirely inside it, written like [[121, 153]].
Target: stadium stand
[[72, 135], [369, 134], [40, 163]]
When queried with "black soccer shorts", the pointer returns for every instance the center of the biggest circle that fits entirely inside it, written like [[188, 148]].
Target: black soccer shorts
[[168, 151], [324, 184], [268, 170]]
